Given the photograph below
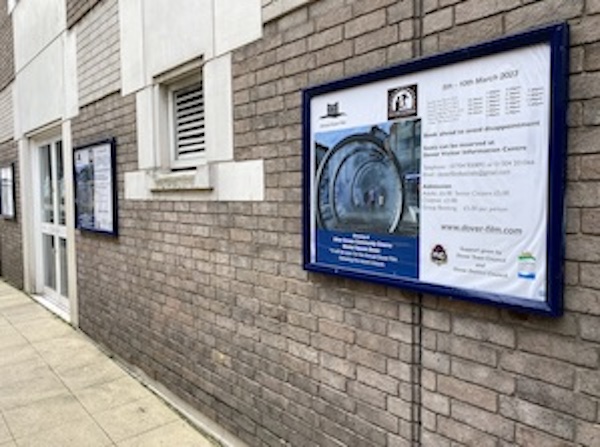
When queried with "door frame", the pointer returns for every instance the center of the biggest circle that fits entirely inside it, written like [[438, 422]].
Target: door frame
[[32, 231]]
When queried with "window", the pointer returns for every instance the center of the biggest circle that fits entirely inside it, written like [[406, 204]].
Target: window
[[180, 114], [185, 138], [188, 139]]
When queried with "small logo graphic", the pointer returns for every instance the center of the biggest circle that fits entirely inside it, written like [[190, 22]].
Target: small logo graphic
[[439, 255], [527, 265], [402, 102], [333, 111]]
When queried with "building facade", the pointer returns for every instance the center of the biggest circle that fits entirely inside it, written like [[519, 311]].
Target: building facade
[[203, 290]]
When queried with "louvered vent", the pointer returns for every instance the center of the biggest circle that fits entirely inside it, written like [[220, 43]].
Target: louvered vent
[[188, 113]]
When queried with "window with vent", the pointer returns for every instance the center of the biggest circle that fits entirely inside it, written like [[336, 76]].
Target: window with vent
[[184, 125], [189, 141]]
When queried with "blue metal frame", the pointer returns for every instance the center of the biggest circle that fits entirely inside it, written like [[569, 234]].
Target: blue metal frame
[[557, 36], [113, 161]]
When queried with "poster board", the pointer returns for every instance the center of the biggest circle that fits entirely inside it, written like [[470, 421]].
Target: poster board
[[7, 192], [95, 188], [446, 174]]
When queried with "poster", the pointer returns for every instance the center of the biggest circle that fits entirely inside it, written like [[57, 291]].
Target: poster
[[95, 188], [7, 192], [446, 175]]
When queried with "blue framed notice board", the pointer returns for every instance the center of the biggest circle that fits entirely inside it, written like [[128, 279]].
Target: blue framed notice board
[[446, 174], [8, 207], [94, 169]]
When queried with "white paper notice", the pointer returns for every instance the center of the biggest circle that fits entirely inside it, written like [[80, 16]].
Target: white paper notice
[[103, 193], [485, 174]]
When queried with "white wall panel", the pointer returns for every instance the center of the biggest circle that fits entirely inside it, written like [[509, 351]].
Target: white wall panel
[[131, 32], [273, 9], [40, 90], [37, 23], [176, 32], [236, 23], [71, 109], [218, 103]]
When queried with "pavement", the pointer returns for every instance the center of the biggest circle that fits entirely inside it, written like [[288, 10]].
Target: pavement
[[57, 389]]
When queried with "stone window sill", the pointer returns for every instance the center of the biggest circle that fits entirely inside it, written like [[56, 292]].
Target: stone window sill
[[194, 180]]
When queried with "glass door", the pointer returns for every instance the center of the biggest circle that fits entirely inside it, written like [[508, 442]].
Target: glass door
[[52, 277]]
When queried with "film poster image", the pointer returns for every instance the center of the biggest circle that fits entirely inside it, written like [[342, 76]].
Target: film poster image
[[84, 180], [368, 179], [367, 196]]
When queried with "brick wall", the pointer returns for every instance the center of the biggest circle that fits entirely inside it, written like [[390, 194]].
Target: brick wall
[[7, 67], [211, 300], [11, 249], [493, 377], [6, 114], [98, 53], [77, 9]]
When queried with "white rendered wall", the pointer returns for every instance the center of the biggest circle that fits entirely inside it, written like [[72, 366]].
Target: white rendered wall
[[45, 87], [156, 36], [276, 8], [131, 32], [36, 24], [40, 90], [236, 23], [176, 32], [218, 104]]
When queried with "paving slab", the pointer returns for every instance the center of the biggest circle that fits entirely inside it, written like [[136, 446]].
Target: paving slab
[[25, 312], [176, 434], [10, 337], [69, 352], [96, 373], [24, 371], [136, 418], [12, 355], [5, 435], [26, 392], [47, 329], [116, 393], [44, 415], [80, 433], [58, 389]]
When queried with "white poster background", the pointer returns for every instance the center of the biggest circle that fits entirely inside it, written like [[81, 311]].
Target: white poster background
[[487, 190], [103, 193]]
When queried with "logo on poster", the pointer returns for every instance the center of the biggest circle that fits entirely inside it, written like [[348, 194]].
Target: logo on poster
[[402, 102], [439, 255], [527, 265], [333, 111]]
